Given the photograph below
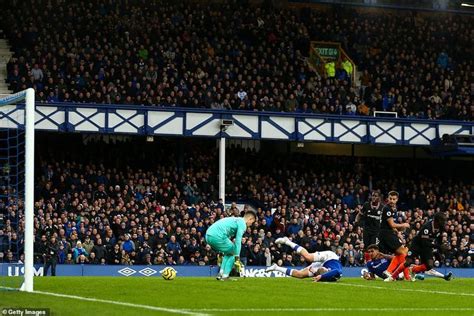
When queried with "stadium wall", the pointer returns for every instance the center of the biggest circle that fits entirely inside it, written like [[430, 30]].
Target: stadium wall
[[363, 150], [392, 151], [186, 271]]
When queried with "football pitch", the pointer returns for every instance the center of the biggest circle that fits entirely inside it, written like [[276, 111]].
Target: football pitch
[[249, 296]]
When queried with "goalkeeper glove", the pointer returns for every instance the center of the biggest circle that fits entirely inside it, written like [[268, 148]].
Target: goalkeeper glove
[[239, 266]]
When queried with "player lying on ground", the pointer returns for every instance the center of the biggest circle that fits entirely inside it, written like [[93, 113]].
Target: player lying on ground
[[219, 236], [422, 246], [325, 265], [378, 263]]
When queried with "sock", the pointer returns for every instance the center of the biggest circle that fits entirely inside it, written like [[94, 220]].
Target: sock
[[434, 273], [394, 264], [223, 265], [294, 246], [419, 268], [398, 270], [227, 264], [288, 271], [406, 273]]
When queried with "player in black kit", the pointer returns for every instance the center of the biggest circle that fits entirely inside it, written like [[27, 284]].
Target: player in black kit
[[422, 246], [370, 216], [388, 236]]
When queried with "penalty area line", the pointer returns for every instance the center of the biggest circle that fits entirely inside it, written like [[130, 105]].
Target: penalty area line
[[98, 300]]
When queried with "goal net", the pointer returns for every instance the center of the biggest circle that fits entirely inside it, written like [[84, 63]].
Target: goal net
[[16, 190]]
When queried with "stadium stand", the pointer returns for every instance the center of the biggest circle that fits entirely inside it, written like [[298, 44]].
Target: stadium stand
[[154, 208], [232, 56]]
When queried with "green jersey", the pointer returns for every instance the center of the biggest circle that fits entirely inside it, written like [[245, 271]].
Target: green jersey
[[228, 228]]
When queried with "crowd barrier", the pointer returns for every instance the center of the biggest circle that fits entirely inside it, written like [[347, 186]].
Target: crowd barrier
[[154, 270], [192, 122]]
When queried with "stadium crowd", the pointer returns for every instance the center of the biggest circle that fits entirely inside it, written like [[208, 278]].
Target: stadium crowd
[[158, 213], [234, 56]]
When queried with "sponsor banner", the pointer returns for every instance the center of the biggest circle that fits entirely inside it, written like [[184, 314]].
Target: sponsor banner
[[147, 271], [259, 272], [191, 271], [61, 269], [109, 270]]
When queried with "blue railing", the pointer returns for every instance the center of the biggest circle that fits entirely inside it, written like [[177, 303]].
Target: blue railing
[[192, 122]]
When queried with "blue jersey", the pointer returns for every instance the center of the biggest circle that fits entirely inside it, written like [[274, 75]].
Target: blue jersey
[[335, 271], [378, 266], [330, 261]]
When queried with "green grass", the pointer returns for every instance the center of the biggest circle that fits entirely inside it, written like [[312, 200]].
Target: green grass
[[258, 294]]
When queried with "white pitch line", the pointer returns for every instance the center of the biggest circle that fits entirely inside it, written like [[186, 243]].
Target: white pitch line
[[149, 307], [398, 289], [342, 309]]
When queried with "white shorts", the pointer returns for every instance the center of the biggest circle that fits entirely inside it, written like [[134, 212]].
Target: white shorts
[[312, 268]]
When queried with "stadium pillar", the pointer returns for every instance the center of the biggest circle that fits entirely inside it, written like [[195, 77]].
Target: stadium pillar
[[222, 170]]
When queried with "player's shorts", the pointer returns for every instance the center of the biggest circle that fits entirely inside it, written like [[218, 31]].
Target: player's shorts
[[388, 241], [313, 267], [370, 237], [221, 244], [417, 251], [331, 265]]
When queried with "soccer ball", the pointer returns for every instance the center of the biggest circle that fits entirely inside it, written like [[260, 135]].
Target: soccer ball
[[363, 272], [168, 273]]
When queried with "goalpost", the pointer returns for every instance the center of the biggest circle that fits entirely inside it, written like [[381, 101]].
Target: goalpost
[[16, 123]]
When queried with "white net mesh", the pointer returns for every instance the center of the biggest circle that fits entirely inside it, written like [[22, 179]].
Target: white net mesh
[[12, 190]]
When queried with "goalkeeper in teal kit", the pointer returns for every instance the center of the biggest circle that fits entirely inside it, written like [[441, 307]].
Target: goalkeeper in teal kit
[[219, 236]]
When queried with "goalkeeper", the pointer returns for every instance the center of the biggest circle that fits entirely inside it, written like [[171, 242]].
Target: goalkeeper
[[219, 236]]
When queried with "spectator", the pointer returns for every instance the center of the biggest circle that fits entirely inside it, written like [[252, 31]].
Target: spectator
[[79, 251], [93, 259], [88, 244], [99, 250], [115, 256], [37, 73], [311, 198], [173, 246], [258, 66], [128, 246], [294, 228]]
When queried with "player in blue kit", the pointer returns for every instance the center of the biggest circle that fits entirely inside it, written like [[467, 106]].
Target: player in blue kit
[[377, 265], [325, 265]]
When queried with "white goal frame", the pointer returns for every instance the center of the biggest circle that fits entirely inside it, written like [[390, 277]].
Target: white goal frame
[[29, 123]]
